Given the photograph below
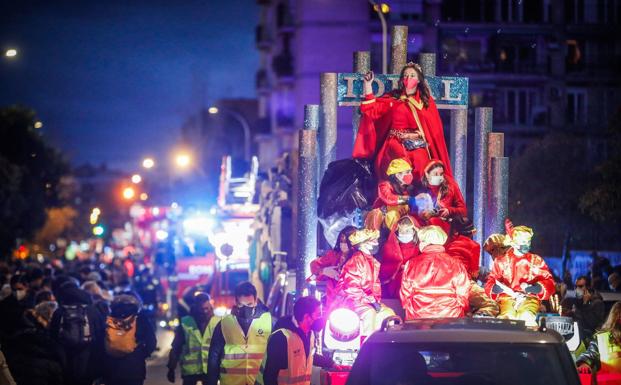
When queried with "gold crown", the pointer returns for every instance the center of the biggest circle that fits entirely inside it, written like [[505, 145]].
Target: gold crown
[[360, 236], [412, 64], [398, 165]]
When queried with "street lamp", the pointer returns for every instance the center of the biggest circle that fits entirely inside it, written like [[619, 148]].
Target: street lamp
[[183, 160], [381, 9], [136, 178], [129, 193], [244, 123], [148, 163], [11, 52]]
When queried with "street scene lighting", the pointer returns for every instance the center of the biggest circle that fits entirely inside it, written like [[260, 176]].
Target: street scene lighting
[[136, 178], [148, 163], [38, 124], [129, 193], [10, 52], [183, 160], [213, 110], [144, 196]]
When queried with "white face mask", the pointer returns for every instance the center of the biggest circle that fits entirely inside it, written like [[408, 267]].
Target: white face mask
[[421, 246], [405, 237], [436, 180]]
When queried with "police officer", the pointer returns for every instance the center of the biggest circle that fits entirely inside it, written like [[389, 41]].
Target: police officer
[[291, 348], [192, 340], [240, 340]]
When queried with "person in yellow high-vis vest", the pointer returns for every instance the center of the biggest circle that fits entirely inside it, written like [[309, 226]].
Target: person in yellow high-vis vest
[[240, 340], [190, 347], [604, 352], [291, 348]]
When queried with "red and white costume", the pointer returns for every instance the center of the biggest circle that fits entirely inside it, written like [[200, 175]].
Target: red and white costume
[[385, 117]]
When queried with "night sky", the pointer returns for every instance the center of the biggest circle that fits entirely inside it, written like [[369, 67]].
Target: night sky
[[112, 81]]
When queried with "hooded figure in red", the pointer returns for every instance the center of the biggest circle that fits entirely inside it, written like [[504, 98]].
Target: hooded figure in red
[[404, 123], [434, 284], [358, 287]]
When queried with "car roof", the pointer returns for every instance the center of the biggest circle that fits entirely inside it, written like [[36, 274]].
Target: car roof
[[464, 330]]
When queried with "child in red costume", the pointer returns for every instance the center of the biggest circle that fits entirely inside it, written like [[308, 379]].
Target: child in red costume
[[404, 123], [434, 283], [327, 268], [392, 196], [519, 279], [444, 206], [399, 248]]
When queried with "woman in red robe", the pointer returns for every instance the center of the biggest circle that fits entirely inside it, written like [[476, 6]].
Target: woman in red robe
[[403, 123]]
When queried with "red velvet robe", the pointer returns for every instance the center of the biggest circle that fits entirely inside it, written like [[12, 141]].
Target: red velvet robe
[[434, 285], [513, 271], [392, 111]]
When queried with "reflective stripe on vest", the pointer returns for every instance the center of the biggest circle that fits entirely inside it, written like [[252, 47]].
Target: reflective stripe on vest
[[609, 353], [196, 348], [299, 367], [243, 354]]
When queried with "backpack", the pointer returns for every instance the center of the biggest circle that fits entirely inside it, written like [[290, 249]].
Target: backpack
[[75, 329], [120, 335]]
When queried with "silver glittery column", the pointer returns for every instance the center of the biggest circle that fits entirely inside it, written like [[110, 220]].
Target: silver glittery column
[[427, 61], [498, 199], [306, 237], [398, 48], [362, 65], [482, 127], [327, 121], [495, 144], [459, 147], [311, 117]]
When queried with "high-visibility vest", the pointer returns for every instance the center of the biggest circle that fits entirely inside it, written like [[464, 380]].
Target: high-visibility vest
[[609, 353], [243, 354], [196, 347], [299, 367]]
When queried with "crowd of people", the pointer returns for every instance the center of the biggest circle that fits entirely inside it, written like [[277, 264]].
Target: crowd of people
[[76, 322]]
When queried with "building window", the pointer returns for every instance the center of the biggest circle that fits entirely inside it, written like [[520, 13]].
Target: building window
[[574, 58], [511, 11], [521, 107], [574, 11], [576, 106]]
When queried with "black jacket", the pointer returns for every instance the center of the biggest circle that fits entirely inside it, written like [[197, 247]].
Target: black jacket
[[277, 357], [216, 349], [34, 357], [590, 356]]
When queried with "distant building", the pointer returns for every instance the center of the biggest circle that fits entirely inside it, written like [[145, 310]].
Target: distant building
[[542, 65]]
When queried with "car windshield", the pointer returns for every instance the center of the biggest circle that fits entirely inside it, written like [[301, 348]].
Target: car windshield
[[460, 364]]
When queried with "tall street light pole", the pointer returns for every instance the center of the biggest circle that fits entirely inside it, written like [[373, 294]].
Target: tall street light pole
[[379, 9], [244, 123]]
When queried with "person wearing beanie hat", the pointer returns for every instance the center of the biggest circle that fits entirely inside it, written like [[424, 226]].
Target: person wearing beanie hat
[[392, 196], [519, 280], [434, 284], [358, 287]]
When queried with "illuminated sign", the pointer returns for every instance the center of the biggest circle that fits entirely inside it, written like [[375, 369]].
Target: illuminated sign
[[448, 92]]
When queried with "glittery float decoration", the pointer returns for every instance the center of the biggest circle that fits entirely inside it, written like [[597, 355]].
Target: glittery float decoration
[[311, 117], [362, 65], [459, 147], [498, 198], [427, 61], [327, 121], [399, 48], [482, 127], [306, 237], [496, 144]]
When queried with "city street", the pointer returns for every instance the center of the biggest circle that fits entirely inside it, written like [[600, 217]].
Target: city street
[[156, 365]]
